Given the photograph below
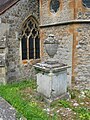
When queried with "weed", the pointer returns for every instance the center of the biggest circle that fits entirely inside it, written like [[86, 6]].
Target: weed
[[82, 113], [64, 103]]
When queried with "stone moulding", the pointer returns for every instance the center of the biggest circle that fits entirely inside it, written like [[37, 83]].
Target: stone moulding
[[65, 23], [7, 5], [49, 68], [2, 65]]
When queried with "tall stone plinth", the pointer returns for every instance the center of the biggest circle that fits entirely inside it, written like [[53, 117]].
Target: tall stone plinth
[[51, 80]]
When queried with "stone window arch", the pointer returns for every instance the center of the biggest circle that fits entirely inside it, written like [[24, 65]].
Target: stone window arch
[[30, 40]]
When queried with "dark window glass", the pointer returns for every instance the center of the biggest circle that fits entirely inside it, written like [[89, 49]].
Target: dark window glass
[[24, 48], [30, 40], [27, 31], [37, 47], [34, 32], [31, 48], [54, 5], [30, 25], [86, 3]]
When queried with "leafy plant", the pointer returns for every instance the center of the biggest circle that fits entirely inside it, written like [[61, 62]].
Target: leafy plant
[[82, 113], [64, 103]]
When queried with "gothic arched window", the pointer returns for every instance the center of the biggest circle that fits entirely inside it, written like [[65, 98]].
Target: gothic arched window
[[30, 41]]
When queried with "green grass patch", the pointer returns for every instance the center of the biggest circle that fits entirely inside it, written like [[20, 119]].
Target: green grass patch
[[28, 103], [64, 103], [82, 113], [30, 110]]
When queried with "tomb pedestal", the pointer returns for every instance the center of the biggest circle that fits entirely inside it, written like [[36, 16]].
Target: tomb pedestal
[[51, 80], [52, 75]]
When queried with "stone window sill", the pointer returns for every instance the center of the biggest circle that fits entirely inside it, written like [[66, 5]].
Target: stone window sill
[[31, 62]]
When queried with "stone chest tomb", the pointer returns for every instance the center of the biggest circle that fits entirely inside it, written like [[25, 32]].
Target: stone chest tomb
[[52, 75]]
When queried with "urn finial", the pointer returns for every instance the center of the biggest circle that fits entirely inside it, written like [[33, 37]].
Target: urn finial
[[51, 45]]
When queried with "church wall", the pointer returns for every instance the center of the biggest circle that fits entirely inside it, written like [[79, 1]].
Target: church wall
[[3, 52], [56, 23], [64, 13], [71, 26], [81, 12], [81, 44], [15, 17], [64, 35], [81, 57]]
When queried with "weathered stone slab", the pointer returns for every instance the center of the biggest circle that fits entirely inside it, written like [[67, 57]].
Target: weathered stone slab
[[51, 80], [7, 112], [52, 85]]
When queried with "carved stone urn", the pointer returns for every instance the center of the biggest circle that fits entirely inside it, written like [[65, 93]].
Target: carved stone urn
[[51, 46], [51, 75]]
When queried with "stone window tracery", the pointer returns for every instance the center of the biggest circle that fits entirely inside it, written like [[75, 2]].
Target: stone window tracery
[[86, 3], [30, 41]]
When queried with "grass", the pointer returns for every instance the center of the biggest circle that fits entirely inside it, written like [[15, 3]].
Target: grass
[[80, 112], [64, 103], [30, 110], [23, 97]]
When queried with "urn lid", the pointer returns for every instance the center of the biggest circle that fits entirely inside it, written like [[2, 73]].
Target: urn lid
[[51, 40]]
